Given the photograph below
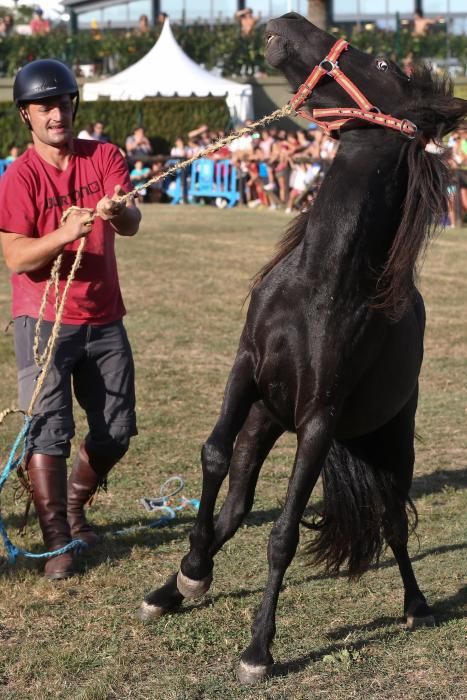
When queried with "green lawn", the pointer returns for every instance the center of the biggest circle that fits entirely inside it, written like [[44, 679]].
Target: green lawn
[[184, 278]]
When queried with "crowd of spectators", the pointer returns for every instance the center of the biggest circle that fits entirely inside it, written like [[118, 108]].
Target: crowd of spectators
[[275, 168]]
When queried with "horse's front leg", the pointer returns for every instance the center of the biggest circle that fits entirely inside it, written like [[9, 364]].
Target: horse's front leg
[[194, 577], [313, 442]]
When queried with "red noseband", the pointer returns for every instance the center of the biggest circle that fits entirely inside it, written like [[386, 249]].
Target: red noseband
[[343, 115]]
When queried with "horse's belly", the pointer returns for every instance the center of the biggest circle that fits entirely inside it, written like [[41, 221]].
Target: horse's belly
[[381, 393]]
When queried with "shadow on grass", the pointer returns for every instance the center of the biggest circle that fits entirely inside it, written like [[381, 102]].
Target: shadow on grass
[[449, 609], [427, 484], [117, 546]]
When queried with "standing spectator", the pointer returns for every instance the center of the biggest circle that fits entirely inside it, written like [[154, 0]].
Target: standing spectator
[[138, 145], [421, 23], [301, 176], [92, 352], [459, 156], [247, 21], [9, 24], [143, 25], [98, 133], [38, 24], [255, 193]]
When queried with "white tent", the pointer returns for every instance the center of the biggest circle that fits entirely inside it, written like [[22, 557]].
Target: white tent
[[167, 71]]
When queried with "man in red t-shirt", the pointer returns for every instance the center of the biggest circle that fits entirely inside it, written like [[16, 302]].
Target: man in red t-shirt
[[92, 350]]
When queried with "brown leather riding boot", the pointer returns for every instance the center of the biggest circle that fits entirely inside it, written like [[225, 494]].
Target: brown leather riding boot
[[83, 483], [47, 476]]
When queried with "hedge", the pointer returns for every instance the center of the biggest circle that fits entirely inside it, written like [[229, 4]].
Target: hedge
[[163, 119]]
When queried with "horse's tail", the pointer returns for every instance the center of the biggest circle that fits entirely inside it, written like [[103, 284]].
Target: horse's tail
[[360, 503]]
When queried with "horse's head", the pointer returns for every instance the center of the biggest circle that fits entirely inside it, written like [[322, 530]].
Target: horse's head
[[296, 47]]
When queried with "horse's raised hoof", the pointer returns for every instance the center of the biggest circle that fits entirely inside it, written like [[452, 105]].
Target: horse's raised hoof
[[248, 674], [150, 612], [189, 588]]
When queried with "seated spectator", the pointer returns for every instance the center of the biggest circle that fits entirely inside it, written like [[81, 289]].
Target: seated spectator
[[139, 175], [98, 133], [156, 189], [13, 154], [138, 145], [38, 24], [178, 150], [87, 133]]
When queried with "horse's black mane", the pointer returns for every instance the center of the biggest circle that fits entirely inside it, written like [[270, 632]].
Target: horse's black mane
[[436, 112]]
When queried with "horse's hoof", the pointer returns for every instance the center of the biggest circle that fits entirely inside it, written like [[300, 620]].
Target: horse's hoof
[[189, 588], [150, 612], [419, 614], [248, 674], [414, 623]]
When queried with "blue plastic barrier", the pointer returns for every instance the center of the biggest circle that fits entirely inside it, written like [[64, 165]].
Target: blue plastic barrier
[[3, 165], [214, 178], [173, 184]]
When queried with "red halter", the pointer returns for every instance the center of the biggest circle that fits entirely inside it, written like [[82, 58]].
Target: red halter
[[367, 111]]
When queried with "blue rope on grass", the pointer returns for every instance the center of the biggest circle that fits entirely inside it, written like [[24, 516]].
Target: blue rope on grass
[[14, 461], [161, 504], [164, 507]]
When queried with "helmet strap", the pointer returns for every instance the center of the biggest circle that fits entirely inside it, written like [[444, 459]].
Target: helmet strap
[[25, 117], [76, 105]]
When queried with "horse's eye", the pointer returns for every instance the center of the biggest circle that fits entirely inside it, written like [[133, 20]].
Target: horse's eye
[[382, 65]]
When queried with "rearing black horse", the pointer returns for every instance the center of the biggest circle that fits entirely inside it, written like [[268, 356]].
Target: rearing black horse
[[333, 341]]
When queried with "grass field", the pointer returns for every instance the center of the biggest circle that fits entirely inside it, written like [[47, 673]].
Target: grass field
[[184, 279]]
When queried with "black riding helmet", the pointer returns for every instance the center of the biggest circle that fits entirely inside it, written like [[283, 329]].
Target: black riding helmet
[[44, 78]]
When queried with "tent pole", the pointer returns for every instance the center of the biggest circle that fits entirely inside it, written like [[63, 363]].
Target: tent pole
[[155, 11]]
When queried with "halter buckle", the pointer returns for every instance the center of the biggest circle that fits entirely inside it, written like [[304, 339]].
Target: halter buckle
[[408, 123], [330, 63]]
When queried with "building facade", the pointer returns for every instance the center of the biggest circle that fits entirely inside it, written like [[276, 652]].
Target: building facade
[[120, 14]]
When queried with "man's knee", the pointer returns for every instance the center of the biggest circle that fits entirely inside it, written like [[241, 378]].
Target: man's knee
[[112, 446]]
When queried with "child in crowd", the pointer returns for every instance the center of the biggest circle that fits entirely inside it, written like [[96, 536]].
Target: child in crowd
[[139, 175]]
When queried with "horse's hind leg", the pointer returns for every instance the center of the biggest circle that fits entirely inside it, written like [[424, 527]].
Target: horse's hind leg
[[391, 447], [194, 577]]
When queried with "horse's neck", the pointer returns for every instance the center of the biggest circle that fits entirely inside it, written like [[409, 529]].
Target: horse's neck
[[359, 206]]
